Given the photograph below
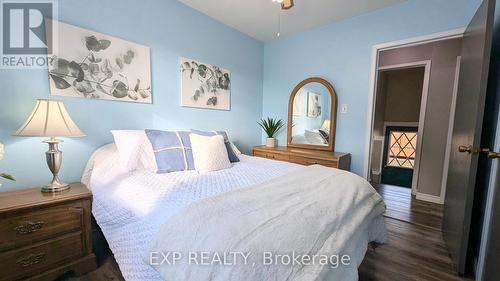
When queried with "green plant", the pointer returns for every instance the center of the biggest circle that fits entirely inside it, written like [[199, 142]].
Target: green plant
[[4, 175], [7, 176], [271, 126]]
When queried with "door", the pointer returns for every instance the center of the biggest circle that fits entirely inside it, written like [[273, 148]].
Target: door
[[467, 133], [400, 144]]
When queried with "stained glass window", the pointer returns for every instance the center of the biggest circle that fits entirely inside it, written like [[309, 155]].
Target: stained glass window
[[402, 149]]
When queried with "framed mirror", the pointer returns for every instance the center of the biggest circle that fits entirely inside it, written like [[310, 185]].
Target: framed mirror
[[312, 112]]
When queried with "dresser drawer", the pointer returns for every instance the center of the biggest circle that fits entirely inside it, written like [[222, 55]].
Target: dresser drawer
[[312, 161], [259, 154], [277, 156], [270, 155], [26, 227], [19, 263]]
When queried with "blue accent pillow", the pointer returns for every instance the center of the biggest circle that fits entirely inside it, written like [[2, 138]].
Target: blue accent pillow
[[230, 152], [172, 150]]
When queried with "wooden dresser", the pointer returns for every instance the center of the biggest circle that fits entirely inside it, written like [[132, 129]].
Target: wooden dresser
[[45, 235], [305, 156]]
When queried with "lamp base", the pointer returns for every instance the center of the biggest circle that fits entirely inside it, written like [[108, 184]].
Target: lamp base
[[55, 186], [54, 158]]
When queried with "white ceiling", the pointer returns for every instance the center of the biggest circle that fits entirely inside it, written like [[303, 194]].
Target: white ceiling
[[259, 18]]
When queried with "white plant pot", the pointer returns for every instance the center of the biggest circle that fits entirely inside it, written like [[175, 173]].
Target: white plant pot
[[271, 142]]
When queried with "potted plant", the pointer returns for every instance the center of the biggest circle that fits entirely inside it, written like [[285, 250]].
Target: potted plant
[[271, 127], [4, 175]]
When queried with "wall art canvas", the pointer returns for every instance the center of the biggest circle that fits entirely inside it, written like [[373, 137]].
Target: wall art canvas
[[92, 65], [204, 85], [314, 105]]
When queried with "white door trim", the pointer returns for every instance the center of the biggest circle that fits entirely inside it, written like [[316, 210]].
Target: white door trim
[[451, 122], [403, 65], [376, 49]]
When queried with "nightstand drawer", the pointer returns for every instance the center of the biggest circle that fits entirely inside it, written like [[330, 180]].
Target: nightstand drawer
[[312, 161], [19, 263], [27, 227]]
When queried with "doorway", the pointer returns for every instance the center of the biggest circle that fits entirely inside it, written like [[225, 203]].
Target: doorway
[[438, 59], [399, 113]]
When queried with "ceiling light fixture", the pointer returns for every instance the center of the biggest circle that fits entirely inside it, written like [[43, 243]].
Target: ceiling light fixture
[[285, 4]]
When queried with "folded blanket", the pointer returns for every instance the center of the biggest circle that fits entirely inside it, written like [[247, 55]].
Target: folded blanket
[[295, 227]]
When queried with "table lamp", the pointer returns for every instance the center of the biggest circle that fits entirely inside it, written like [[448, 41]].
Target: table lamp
[[50, 119], [326, 125]]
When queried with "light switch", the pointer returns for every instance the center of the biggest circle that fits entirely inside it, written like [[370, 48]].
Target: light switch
[[344, 108]]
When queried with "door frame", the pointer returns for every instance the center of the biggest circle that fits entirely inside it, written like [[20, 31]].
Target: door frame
[[421, 118], [376, 49]]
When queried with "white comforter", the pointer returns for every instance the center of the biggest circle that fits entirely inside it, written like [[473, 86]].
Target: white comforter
[[313, 212], [131, 207]]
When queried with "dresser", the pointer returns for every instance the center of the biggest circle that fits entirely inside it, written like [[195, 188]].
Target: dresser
[[305, 156], [44, 235]]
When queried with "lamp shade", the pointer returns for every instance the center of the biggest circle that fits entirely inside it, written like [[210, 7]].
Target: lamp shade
[[49, 119], [326, 125]]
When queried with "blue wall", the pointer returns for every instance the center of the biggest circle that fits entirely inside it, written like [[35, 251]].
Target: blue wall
[[171, 30], [341, 53]]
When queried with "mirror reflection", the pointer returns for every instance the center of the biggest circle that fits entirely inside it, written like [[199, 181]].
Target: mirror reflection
[[311, 115]]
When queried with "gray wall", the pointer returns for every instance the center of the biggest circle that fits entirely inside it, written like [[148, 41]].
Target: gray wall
[[443, 56], [398, 97]]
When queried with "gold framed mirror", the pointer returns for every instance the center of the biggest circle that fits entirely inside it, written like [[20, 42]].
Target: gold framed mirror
[[312, 114]]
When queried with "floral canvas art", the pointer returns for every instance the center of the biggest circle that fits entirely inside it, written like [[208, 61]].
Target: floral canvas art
[[204, 85], [314, 105], [92, 65]]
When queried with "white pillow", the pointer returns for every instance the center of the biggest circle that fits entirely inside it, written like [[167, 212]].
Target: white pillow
[[136, 152], [209, 153]]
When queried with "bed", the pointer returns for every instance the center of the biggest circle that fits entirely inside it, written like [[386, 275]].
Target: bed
[[131, 207], [311, 137]]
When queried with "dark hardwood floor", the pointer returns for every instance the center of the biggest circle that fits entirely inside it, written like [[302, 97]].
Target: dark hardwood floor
[[402, 206], [415, 250]]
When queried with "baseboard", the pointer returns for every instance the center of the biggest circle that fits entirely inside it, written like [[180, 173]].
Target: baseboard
[[428, 198]]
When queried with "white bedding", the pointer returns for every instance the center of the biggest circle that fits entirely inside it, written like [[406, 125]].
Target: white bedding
[[131, 207]]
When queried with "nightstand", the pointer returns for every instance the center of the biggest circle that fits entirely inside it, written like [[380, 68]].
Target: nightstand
[[305, 156], [44, 235]]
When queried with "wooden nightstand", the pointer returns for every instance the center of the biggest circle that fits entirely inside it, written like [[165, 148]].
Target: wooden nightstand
[[305, 156], [45, 235]]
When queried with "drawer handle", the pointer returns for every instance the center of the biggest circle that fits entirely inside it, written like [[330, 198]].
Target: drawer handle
[[29, 227], [31, 259], [78, 210]]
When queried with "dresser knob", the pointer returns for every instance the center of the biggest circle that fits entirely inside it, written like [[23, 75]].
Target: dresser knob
[[29, 227]]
